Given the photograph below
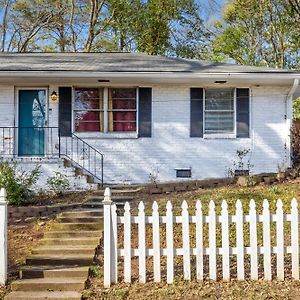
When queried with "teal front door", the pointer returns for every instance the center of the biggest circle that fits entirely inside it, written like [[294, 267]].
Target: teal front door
[[32, 120]]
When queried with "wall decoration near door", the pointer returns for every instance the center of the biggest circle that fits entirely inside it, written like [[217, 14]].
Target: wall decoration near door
[[32, 121]]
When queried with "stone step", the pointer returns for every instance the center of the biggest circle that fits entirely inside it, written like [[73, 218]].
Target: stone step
[[63, 250], [73, 234], [77, 226], [69, 241], [48, 284], [117, 192], [43, 296], [29, 272], [87, 213], [121, 187], [99, 205], [75, 260], [80, 219], [115, 199]]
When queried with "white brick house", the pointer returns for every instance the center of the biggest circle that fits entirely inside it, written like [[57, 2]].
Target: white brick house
[[144, 114]]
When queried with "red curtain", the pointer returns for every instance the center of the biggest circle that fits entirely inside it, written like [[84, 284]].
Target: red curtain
[[121, 117]]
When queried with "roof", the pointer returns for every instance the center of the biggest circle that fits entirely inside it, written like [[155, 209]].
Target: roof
[[118, 62]]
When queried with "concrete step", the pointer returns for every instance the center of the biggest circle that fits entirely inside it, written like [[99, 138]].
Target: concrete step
[[113, 198], [117, 192], [99, 205], [29, 272], [70, 260], [121, 187], [43, 296], [69, 241], [64, 250], [48, 284], [80, 219], [73, 234], [77, 226], [87, 213]]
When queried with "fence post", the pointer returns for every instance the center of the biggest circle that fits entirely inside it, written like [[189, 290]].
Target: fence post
[[108, 251], [3, 237]]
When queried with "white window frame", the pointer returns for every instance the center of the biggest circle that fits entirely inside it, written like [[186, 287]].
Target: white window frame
[[220, 135], [106, 133]]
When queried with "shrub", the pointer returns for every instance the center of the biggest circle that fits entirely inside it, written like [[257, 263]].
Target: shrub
[[58, 183], [18, 184]]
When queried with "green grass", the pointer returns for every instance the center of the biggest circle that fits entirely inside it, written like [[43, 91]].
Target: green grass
[[283, 191]]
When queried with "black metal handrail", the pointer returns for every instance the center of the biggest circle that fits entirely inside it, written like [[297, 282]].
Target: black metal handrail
[[29, 141], [83, 155], [47, 142]]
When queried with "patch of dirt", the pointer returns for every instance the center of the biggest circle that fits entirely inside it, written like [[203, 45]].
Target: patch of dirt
[[22, 239]]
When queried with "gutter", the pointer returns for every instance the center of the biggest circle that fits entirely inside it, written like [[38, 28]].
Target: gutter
[[288, 117]]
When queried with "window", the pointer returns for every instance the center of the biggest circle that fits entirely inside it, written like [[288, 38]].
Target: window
[[219, 111], [95, 105], [88, 109], [122, 110]]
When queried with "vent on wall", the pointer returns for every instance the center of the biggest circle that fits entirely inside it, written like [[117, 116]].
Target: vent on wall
[[183, 173]]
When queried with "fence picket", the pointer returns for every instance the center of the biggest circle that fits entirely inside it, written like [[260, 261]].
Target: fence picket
[[127, 243], [212, 241], [225, 241], [108, 260], [295, 239], [170, 243], [156, 242], [240, 240], [267, 240], [199, 241], [114, 254], [280, 241], [142, 245], [253, 241], [186, 242], [3, 238]]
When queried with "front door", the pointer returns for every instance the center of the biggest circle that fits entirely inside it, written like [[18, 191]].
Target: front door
[[32, 121]]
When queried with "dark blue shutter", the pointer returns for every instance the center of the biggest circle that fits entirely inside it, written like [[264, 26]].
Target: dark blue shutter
[[196, 126], [65, 111], [145, 112], [242, 113]]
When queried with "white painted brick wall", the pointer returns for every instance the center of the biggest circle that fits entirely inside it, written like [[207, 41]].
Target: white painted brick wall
[[132, 160]]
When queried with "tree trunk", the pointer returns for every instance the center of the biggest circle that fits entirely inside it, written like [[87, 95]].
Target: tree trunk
[[4, 25]]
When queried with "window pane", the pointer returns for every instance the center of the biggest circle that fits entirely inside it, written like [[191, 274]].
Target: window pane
[[219, 100], [124, 104], [124, 126], [123, 93], [124, 121], [122, 109], [88, 98], [219, 122], [88, 121]]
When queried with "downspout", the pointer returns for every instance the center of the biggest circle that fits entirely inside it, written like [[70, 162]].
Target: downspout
[[288, 117]]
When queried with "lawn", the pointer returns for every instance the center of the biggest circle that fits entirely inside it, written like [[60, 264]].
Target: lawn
[[207, 289]]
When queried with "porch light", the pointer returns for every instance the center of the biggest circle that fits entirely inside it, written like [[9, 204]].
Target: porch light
[[54, 96]]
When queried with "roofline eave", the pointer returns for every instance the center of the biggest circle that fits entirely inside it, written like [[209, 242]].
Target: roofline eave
[[169, 75]]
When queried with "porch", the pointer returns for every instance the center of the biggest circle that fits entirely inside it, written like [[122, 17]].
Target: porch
[[44, 142]]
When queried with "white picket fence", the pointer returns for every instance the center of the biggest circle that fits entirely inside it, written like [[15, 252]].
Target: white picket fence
[[112, 253]]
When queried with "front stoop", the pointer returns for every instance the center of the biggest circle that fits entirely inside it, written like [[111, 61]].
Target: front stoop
[[58, 267]]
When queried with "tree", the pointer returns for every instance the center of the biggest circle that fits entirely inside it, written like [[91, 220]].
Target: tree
[[259, 33]]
